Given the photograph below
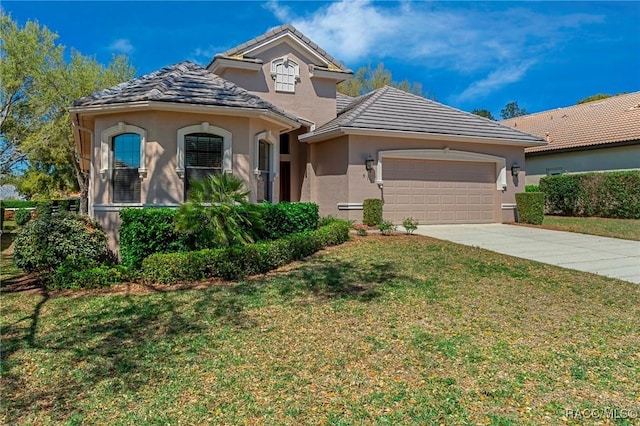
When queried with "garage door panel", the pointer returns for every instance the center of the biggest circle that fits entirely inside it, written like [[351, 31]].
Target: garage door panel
[[439, 191]]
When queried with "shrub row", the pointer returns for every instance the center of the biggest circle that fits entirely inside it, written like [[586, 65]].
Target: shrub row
[[530, 207], [144, 232], [84, 274], [612, 194], [64, 205], [233, 263], [284, 219]]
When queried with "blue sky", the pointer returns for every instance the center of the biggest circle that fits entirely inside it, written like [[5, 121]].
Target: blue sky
[[467, 54]]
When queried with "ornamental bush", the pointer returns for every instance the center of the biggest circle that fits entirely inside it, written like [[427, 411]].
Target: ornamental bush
[[410, 225], [530, 207], [372, 211], [144, 232], [48, 240], [288, 218], [611, 194], [232, 263]]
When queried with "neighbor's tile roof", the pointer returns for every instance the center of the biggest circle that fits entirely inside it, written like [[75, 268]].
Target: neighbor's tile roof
[[392, 109], [611, 120], [342, 101], [239, 50], [184, 83]]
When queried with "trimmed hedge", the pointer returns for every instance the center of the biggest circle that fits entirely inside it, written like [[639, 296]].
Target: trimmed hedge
[[372, 211], [232, 263], [285, 218], [17, 204], [144, 232], [530, 207], [611, 194], [531, 188], [84, 274]]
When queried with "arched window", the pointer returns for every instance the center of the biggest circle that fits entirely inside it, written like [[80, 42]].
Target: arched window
[[125, 160], [203, 150], [203, 156], [286, 73]]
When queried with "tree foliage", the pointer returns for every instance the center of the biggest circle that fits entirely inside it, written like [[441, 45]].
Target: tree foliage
[[483, 113], [592, 98], [368, 78], [38, 86], [512, 110]]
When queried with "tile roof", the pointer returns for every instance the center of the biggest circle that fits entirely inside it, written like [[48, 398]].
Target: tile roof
[[238, 50], [342, 101], [612, 120], [184, 83], [392, 109]]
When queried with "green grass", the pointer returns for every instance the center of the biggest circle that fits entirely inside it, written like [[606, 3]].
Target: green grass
[[628, 229], [8, 270], [381, 330]]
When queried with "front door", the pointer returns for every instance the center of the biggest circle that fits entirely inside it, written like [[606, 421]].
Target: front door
[[264, 165], [285, 181]]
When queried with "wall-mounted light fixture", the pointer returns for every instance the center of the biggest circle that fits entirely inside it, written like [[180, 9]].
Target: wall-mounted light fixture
[[515, 169], [368, 163]]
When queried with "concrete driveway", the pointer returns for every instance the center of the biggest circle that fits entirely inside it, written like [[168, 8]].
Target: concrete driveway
[[610, 257]]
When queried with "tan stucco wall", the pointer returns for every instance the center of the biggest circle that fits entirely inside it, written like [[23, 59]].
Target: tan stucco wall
[[163, 186], [329, 189], [593, 160], [314, 99]]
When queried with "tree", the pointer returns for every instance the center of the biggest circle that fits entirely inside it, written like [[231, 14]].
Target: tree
[[483, 113], [367, 79], [512, 110], [39, 88], [592, 98], [23, 55]]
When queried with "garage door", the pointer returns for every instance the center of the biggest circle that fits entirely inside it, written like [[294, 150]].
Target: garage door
[[439, 191]]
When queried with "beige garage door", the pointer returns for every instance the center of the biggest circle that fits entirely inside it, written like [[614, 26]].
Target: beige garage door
[[439, 191]]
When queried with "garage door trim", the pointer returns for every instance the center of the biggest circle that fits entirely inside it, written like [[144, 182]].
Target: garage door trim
[[446, 154]]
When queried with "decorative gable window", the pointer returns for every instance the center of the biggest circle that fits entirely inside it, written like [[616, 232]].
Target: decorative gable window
[[286, 73]]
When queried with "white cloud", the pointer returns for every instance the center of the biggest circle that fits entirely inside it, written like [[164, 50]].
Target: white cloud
[[122, 45], [496, 79], [499, 44]]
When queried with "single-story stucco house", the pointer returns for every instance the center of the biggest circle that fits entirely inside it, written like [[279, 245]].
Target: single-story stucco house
[[598, 136], [268, 111]]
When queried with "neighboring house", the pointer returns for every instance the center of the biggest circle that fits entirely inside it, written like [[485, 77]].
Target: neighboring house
[[268, 112], [10, 192], [598, 136]]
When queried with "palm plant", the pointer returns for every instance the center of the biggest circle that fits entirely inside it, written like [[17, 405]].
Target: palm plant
[[218, 213]]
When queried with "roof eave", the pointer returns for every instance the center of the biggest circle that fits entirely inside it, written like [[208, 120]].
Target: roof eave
[[559, 150], [221, 63], [266, 114], [310, 138]]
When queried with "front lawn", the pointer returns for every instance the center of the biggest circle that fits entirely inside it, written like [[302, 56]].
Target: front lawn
[[628, 229], [385, 330]]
